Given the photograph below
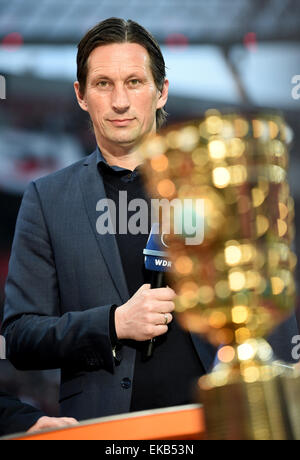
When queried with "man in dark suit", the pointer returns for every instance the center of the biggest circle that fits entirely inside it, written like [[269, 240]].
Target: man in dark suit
[[16, 417], [78, 298]]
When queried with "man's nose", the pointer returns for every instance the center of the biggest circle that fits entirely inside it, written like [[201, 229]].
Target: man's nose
[[120, 100]]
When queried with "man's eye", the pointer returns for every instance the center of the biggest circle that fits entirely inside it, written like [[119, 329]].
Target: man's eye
[[103, 84], [134, 82]]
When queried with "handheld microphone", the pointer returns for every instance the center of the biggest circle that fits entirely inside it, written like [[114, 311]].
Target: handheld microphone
[[156, 260]]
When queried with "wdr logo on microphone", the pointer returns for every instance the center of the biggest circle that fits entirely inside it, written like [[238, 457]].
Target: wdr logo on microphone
[[2, 87], [163, 263]]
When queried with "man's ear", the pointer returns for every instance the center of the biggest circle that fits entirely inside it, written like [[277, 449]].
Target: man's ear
[[163, 96], [80, 99]]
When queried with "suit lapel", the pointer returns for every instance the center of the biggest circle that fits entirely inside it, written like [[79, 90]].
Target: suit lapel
[[93, 190]]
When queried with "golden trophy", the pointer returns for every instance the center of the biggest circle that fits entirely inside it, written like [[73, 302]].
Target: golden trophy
[[229, 232]]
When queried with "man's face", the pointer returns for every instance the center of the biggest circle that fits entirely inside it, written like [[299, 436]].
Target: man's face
[[121, 96]]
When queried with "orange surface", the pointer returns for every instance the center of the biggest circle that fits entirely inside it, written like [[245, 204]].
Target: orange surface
[[181, 423]]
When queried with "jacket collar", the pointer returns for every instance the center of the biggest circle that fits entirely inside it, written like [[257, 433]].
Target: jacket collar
[[93, 190]]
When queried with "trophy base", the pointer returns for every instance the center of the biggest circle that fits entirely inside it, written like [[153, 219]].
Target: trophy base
[[267, 408]]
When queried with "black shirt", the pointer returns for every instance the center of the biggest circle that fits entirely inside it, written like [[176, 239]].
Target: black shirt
[[168, 378]]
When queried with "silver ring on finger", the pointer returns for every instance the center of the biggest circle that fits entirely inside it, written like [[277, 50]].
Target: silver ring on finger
[[166, 318]]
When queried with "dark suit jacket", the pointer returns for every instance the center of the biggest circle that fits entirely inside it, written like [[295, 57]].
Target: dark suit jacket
[[15, 416], [63, 279]]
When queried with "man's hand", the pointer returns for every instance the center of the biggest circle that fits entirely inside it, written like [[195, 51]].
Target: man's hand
[[48, 423], [146, 314]]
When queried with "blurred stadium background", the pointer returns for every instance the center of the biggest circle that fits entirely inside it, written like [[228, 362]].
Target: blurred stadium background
[[224, 54]]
